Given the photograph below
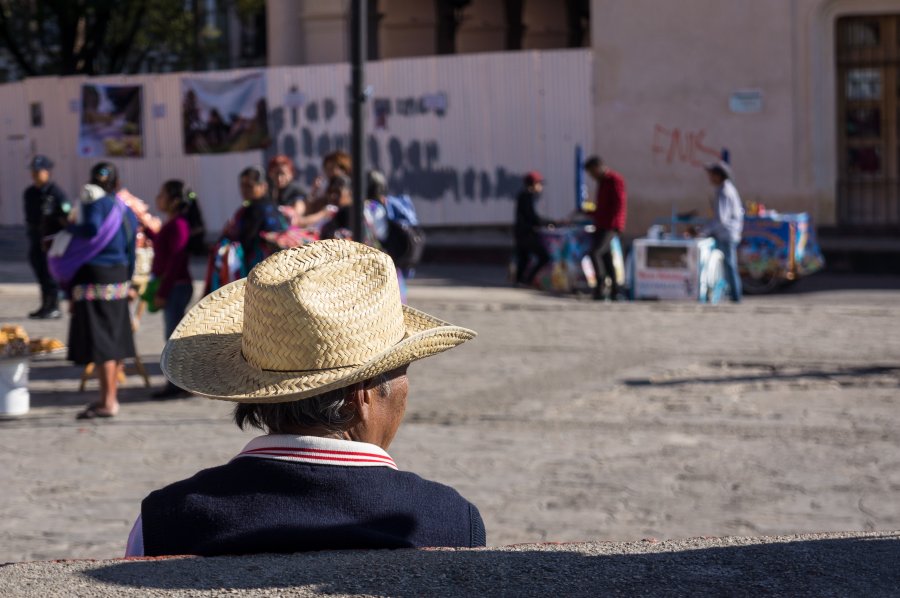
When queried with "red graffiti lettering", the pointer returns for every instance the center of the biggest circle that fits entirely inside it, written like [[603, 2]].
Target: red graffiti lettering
[[685, 147]]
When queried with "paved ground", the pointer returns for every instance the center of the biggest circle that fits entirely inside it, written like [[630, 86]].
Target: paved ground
[[565, 420], [831, 565]]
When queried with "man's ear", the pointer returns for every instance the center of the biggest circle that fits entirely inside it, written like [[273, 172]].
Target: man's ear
[[361, 398]]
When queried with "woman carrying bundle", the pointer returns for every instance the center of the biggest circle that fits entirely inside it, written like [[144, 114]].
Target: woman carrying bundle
[[100, 329]]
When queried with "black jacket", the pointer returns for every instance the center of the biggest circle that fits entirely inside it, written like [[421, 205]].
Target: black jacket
[[46, 210], [289, 195], [527, 219]]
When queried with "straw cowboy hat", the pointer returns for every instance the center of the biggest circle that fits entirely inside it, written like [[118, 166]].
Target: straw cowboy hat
[[305, 321]]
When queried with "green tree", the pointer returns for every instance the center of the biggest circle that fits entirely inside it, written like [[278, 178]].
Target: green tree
[[93, 37]]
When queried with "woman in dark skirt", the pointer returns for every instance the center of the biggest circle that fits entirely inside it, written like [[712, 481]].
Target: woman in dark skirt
[[100, 328]]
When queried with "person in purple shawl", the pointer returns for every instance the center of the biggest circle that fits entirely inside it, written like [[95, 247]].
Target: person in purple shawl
[[100, 329]]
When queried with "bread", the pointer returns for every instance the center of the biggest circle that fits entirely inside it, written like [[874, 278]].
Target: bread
[[45, 345]]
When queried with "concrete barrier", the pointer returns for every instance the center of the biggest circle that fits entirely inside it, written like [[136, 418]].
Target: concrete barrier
[[848, 564]]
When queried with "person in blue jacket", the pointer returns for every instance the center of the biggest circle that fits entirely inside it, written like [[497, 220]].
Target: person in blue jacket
[[100, 329]]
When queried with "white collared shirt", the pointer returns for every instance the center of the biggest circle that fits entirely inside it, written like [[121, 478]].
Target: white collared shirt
[[297, 449]]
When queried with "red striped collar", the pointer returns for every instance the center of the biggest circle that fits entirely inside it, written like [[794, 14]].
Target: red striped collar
[[321, 451]]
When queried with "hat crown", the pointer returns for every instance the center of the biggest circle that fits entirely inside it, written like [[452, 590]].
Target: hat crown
[[330, 304]]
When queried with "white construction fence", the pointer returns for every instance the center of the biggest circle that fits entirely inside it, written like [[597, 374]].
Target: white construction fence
[[456, 133]]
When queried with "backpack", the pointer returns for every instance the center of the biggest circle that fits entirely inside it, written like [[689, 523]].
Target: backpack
[[405, 240]]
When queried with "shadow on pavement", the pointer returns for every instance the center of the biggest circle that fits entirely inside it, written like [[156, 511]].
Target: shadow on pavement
[[134, 392], [478, 275], [827, 281], [846, 376], [69, 376], [65, 370], [828, 567]]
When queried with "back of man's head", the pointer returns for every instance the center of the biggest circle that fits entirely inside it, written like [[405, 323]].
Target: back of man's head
[[331, 411], [593, 163]]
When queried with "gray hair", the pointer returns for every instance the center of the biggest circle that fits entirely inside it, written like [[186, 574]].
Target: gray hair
[[377, 185], [327, 410]]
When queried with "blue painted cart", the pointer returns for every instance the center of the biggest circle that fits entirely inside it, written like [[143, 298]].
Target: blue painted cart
[[777, 249], [570, 269]]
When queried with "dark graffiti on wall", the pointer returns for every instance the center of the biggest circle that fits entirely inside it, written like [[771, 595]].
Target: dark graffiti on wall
[[382, 108], [412, 166], [431, 103]]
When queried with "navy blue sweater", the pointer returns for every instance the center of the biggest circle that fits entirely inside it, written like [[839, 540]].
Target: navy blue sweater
[[256, 505]]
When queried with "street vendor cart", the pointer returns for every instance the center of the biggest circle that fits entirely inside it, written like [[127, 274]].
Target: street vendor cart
[[677, 269], [570, 269], [777, 249]]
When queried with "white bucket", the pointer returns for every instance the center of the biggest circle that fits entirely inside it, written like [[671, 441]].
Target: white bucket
[[14, 397]]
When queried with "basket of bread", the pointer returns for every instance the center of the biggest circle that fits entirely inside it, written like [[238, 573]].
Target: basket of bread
[[15, 344]]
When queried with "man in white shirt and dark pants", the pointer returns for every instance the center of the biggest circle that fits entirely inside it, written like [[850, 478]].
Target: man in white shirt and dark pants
[[728, 222]]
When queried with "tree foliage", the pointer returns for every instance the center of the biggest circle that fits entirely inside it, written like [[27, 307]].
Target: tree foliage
[[93, 37]]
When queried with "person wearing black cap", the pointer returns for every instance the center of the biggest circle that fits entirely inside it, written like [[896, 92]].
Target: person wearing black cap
[[728, 222], [46, 212], [528, 242]]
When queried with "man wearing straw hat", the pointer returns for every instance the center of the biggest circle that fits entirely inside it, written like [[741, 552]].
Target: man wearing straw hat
[[313, 348], [728, 222]]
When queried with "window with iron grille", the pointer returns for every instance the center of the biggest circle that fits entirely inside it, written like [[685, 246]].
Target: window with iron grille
[[868, 104]]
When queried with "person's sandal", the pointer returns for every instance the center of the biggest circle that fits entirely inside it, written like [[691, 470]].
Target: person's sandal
[[94, 412]]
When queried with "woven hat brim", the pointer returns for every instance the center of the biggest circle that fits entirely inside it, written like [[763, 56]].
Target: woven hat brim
[[204, 356]]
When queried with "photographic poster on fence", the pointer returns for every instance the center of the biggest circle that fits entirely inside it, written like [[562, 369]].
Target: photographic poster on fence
[[220, 116], [110, 123]]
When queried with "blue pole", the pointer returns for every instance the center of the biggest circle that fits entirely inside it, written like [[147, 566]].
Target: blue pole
[[580, 187]]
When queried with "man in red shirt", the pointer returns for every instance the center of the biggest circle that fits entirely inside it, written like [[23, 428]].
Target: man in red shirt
[[609, 218]]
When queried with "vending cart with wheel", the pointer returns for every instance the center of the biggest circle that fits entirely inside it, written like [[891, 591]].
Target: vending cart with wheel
[[777, 249]]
